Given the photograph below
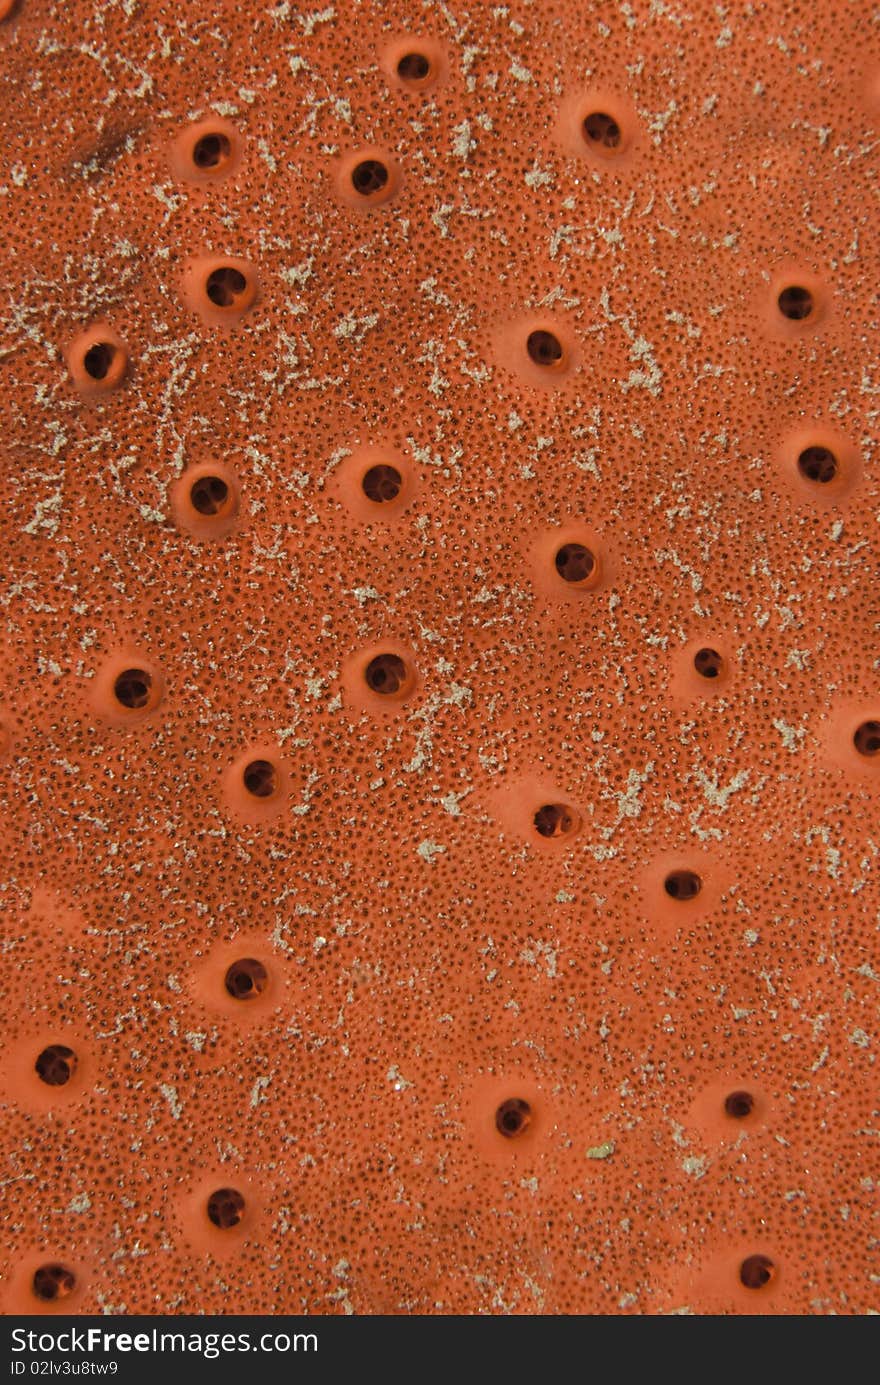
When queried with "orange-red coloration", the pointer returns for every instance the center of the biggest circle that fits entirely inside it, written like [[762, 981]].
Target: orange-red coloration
[[440, 684]]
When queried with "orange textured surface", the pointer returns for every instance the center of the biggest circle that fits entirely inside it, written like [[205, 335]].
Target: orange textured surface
[[440, 698]]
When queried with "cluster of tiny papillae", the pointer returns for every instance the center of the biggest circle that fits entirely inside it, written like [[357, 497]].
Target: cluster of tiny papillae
[[490, 1061]]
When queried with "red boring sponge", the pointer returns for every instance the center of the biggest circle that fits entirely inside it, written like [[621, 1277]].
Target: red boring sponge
[[440, 680]]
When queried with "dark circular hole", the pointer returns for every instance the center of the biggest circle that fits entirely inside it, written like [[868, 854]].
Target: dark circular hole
[[132, 688], [413, 67], [555, 820], [56, 1065], [512, 1117], [818, 464], [739, 1105], [226, 1208], [795, 303], [211, 151], [574, 562], [98, 359], [682, 884], [756, 1271], [708, 663], [261, 778], [224, 285], [246, 978], [369, 176], [544, 348], [208, 494], [602, 129], [386, 674], [53, 1282], [382, 483], [867, 738]]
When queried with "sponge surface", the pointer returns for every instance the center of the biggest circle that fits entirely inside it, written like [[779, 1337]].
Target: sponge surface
[[440, 683]]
